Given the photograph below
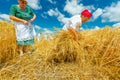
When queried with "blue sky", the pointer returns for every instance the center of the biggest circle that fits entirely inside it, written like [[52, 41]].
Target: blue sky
[[54, 13]]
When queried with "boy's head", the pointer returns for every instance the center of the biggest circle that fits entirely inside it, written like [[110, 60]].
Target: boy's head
[[85, 15]]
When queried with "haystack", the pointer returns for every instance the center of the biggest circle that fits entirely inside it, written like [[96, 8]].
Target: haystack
[[64, 48], [95, 56], [8, 47]]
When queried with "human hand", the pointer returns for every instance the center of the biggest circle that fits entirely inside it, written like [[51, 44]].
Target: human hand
[[31, 20], [25, 22]]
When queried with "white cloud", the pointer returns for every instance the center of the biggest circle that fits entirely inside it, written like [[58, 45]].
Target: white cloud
[[47, 31], [75, 7], [72, 7], [5, 17], [37, 27], [47, 34], [52, 12], [34, 4], [52, 2], [112, 13], [82, 29], [58, 14], [97, 13], [43, 15], [62, 19], [116, 25], [97, 27]]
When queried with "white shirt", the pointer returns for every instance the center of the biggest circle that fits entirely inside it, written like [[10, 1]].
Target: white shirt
[[73, 22]]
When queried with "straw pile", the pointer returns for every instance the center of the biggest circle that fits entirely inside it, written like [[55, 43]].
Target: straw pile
[[65, 48], [95, 56], [7, 41]]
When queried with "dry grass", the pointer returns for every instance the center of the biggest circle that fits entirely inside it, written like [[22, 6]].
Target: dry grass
[[95, 56], [7, 41]]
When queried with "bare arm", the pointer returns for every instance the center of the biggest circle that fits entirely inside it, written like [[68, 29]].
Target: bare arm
[[78, 26], [74, 33], [18, 20], [33, 18]]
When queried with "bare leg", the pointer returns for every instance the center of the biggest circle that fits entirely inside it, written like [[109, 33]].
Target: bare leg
[[26, 49], [20, 50], [29, 49]]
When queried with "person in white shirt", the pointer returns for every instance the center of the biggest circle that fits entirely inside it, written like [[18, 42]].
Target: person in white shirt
[[75, 22]]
